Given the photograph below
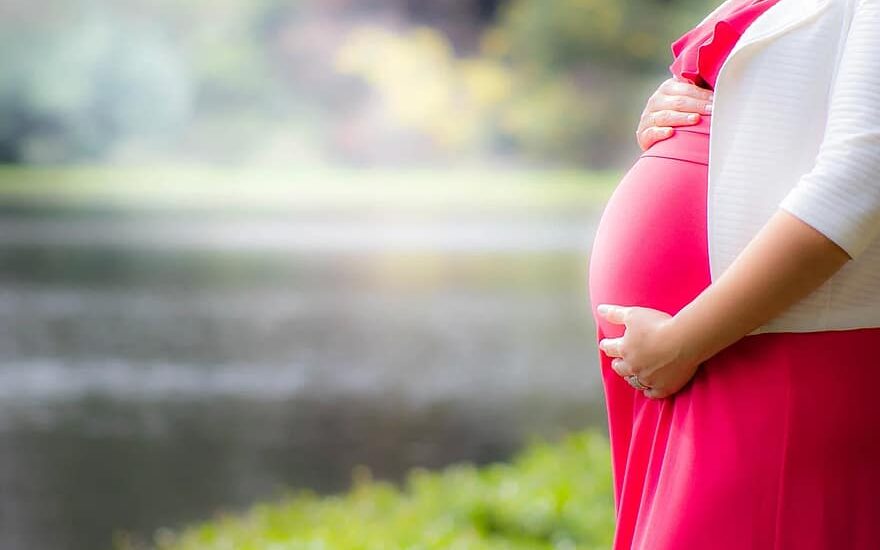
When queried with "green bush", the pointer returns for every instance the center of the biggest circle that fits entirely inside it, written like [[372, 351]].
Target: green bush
[[559, 80], [549, 496]]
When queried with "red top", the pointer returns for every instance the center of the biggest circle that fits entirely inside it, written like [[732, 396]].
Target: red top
[[700, 52]]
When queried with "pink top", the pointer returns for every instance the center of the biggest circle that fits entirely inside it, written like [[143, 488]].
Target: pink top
[[700, 52]]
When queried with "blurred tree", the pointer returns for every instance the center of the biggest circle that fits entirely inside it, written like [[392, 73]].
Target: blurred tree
[[550, 81], [612, 53], [68, 92], [559, 80]]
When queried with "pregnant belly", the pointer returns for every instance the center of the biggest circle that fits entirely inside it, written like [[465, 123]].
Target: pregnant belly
[[650, 247]]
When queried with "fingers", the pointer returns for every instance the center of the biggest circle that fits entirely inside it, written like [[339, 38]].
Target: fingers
[[668, 117], [675, 103], [612, 313], [681, 103], [624, 370], [673, 86], [621, 367], [612, 346], [658, 393], [651, 135]]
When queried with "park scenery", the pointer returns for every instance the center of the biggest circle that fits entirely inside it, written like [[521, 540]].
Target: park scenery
[[311, 274]]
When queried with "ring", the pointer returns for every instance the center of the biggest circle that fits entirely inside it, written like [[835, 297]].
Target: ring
[[636, 383]]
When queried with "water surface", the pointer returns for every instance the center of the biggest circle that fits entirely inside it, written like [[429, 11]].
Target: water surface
[[157, 371]]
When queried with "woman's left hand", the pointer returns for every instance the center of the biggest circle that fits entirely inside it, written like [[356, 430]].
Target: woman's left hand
[[649, 349]]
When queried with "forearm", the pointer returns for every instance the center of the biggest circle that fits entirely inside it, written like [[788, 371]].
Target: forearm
[[785, 261]]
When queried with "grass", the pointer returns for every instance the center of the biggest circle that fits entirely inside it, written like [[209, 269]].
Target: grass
[[214, 188], [551, 495]]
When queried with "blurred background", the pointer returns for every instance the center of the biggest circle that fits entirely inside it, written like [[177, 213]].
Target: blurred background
[[246, 245]]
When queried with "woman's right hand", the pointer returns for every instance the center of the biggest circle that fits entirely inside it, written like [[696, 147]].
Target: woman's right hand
[[674, 103]]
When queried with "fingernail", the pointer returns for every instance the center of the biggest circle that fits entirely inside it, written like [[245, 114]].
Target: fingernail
[[712, 97], [692, 118], [708, 108], [603, 308]]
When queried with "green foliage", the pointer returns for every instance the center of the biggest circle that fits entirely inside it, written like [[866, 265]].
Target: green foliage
[[554, 35], [550, 496], [424, 86], [553, 80], [88, 80], [69, 92], [557, 36], [466, 105]]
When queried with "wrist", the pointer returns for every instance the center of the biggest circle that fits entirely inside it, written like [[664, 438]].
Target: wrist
[[687, 346]]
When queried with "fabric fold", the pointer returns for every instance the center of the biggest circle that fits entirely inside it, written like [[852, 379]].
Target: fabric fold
[[698, 53]]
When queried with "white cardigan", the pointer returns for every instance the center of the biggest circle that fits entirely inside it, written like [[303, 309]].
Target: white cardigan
[[796, 125]]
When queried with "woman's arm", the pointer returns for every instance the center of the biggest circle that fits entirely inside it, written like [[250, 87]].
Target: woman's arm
[[829, 217], [785, 261], [840, 195]]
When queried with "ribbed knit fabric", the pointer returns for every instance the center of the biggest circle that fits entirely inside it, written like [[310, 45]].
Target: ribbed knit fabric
[[796, 125], [841, 195]]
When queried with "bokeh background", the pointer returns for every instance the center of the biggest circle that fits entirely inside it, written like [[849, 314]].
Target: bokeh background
[[248, 245]]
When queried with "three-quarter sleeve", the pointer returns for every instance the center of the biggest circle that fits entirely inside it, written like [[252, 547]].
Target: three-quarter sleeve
[[840, 195]]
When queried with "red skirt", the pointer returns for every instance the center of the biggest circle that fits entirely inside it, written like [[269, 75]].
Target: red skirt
[[774, 444]]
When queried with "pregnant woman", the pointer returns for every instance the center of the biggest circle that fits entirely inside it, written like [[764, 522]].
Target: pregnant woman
[[738, 273]]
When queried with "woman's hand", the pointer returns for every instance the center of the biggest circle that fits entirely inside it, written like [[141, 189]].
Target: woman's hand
[[647, 349], [674, 103]]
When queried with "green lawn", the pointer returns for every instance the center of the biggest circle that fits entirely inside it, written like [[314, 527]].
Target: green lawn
[[213, 188], [550, 496]]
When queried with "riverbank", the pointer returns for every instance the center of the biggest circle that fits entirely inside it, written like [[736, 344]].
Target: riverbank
[[264, 191], [178, 342], [551, 495]]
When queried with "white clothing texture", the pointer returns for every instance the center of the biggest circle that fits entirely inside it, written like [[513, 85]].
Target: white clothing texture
[[796, 125]]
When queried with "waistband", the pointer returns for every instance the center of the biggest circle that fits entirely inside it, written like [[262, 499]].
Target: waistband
[[690, 143]]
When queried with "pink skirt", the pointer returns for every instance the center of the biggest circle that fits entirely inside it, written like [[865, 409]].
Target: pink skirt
[[775, 443]]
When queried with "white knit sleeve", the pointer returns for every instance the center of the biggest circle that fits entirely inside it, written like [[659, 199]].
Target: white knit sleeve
[[840, 195]]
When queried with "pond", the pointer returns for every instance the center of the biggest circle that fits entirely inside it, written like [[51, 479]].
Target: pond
[[158, 370]]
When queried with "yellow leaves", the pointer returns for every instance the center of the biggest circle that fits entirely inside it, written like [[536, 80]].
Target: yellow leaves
[[494, 43], [519, 93], [546, 115], [423, 86], [486, 82]]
